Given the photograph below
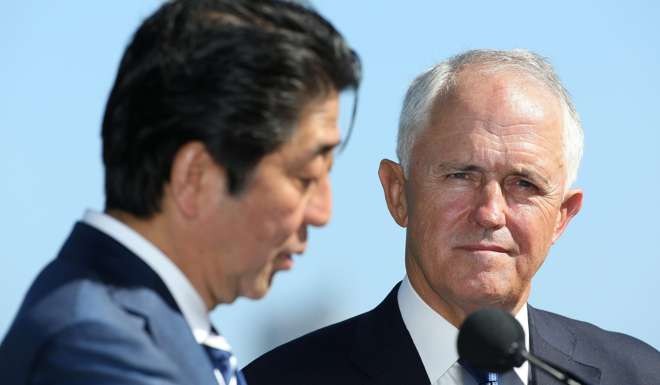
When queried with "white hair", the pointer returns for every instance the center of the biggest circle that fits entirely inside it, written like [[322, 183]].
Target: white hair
[[439, 80]]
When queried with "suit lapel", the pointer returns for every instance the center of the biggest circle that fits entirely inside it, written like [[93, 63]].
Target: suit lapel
[[384, 349], [139, 290], [170, 333], [552, 341]]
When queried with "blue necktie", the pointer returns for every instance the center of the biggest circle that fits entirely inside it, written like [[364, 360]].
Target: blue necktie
[[223, 360], [482, 377]]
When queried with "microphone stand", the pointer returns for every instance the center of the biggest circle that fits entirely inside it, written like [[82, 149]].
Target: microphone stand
[[563, 375]]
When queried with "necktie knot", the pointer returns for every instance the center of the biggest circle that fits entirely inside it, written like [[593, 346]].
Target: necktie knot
[[223, 360]]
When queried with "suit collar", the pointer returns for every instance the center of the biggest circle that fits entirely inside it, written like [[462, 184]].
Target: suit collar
[[431, 333], [138, 289], [385, 351], [434, 337], [383, 347], [551, 340], [178, 285]]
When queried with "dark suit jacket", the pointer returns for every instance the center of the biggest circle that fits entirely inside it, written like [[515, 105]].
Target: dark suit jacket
[[99, 315], [375, 348]]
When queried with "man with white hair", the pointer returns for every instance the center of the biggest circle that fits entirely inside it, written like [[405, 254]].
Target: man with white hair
[[489, 146]]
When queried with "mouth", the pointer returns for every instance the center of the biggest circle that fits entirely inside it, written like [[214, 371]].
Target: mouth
[[284, 260], [489, 248]]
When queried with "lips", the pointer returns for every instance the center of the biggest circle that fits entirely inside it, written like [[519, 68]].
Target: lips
[[284, 261], [485, 247]]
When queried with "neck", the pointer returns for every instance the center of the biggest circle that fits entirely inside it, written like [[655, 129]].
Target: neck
[[455, 311], [157, 231]]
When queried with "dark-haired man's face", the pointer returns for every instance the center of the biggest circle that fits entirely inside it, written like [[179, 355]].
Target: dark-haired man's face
[[251, 236]]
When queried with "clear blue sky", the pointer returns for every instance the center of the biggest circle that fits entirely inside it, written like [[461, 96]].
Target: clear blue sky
[[59, 58]]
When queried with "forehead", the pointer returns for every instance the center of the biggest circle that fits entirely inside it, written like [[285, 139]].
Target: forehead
[[486, 114], [503, 97], [316, 129]]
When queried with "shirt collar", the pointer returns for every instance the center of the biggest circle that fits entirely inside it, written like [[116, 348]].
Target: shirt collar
[[429, 329], [186, 297]]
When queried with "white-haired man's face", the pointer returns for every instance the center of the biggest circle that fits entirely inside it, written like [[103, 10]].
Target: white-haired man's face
[[484, 198]]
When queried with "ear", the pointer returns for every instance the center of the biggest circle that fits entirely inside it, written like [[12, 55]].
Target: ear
[[569, 208], [193, 176], [393, 181]]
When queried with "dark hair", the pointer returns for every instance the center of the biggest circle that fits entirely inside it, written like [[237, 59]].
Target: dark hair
[[233, 74]]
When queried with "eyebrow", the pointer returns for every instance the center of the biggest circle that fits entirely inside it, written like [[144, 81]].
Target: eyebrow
[[520, 171], [451, 166], [530, 174], [321, 149]]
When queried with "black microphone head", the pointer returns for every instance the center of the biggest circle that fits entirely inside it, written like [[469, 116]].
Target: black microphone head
[[491, 339]]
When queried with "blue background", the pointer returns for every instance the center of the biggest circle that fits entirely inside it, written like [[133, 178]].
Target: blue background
[[58, 60]]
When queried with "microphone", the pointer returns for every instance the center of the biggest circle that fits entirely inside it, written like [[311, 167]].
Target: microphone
[[492, 339]]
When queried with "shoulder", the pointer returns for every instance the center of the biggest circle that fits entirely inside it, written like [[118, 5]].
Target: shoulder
[[92, 280], [93, 311], [595, 336], [93, 351], [67, 308], [321, 356], [626, 357], [339, 353], [65, 294]]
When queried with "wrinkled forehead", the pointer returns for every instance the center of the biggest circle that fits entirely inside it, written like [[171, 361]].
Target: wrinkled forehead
[[500, 99]]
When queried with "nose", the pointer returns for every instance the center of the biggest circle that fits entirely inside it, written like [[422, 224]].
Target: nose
[[490, 212], [319, 206]]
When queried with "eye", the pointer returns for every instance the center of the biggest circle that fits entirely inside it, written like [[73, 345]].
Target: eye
[[526, 185], [458, 175], [306, 182], [461, 178]]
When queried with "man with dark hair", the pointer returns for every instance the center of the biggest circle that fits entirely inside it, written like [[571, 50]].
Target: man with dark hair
[[218, 138]]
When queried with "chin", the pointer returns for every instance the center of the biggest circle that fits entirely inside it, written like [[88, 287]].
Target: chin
[[259, 291], [484, 294], [256, 290], [257, 284]]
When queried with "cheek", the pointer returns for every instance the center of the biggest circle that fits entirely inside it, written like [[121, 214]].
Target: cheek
[[280, 217], [438, 217], [532, 229]]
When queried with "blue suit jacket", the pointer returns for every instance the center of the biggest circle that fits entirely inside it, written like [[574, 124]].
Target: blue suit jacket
[[99, 315], [375, 348]]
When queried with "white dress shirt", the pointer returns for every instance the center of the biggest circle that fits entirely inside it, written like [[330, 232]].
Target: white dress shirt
[[435, 339], [186, 297]]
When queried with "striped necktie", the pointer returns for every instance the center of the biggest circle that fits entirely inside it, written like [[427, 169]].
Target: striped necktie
[[482, 377], [223, 360]]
